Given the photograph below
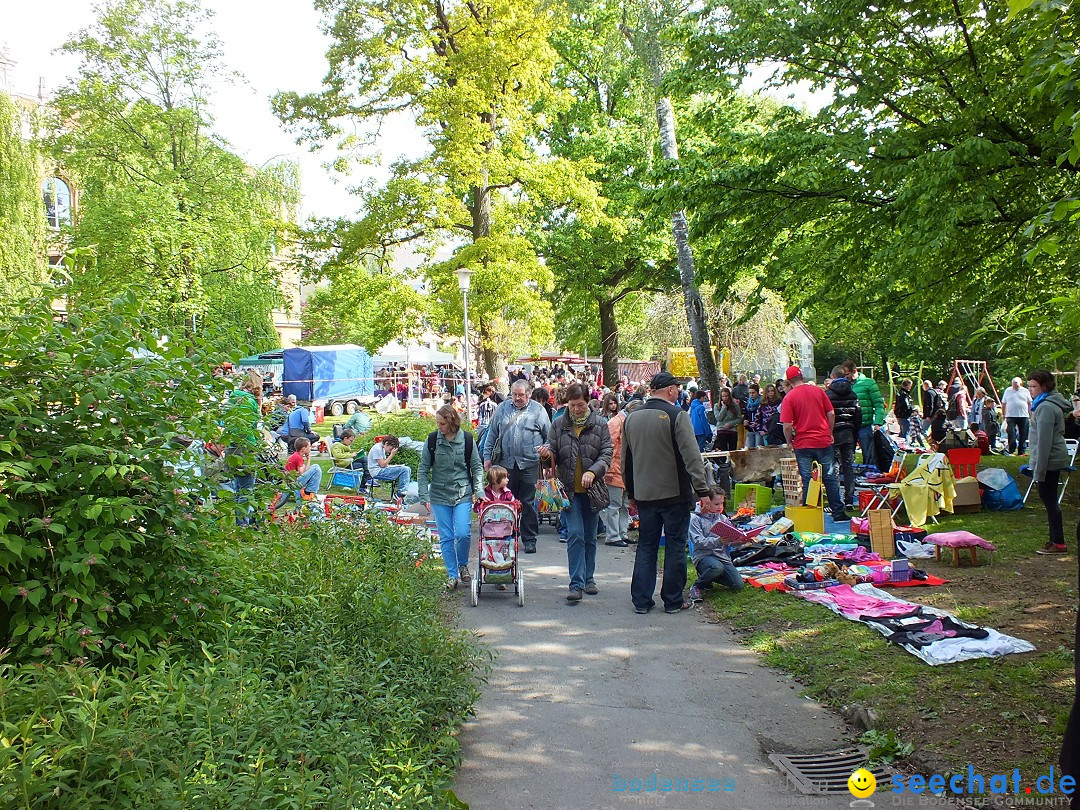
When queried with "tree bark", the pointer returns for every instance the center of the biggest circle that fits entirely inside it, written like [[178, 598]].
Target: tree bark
[[609, 341], [494, 362]]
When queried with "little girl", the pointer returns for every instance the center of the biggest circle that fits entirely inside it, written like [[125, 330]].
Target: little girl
[[496, 489]]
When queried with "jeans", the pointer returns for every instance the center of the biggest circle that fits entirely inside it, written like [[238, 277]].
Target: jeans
[[1016, 428], [674, 521], [455, 534], [845, 459], [866, 444], [617, 515], [523, 484], [712, 570], [826, 457], [580, 540], [398, 473], [726, 441], [242, 483], [754, 439], [703, 440], [564, 532], [309, 481], [1048, 494]]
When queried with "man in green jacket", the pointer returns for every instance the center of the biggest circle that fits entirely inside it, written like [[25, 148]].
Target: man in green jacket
[[873, 409]]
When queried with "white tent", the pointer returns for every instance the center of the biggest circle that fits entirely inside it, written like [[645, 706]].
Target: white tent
[[395, 352]]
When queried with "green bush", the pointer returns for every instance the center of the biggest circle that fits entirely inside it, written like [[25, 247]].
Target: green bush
[[400, 424], [329, 687], [102, 542]]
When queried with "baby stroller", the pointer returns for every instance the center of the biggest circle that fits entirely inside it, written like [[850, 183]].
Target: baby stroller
[[498, 551]]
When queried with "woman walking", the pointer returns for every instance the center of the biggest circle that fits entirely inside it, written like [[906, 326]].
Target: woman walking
[[580, 443], [1048, 454], [449, 480]]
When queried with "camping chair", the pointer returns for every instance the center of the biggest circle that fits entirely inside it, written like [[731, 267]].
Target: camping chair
[[929, 471], [345, 477], [1072, 445], [965, 461]]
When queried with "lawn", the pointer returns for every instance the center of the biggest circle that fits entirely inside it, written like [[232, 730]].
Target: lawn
[[996, 714]]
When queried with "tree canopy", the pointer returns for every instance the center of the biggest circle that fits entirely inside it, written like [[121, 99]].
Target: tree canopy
[[22, 218]]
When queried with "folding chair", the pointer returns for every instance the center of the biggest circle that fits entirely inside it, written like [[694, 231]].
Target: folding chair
[[1072, 445], [928, 465], [344, 477], [965, 461]]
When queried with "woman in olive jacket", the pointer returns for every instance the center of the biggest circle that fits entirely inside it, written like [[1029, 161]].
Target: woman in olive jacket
[[448, 485], [580, 444]]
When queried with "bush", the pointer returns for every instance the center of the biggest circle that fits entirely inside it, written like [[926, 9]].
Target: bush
[[331, 686], [102, 542], [400, 424]]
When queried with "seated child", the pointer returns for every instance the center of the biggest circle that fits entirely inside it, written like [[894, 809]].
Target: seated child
[[344, 456], [497, 489], [710, 559], [308, 478]]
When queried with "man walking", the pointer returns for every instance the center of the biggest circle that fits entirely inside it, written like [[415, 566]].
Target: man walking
[[930, 401], [808, 418], [518, 428], [847, 420], [1016, 403], [664, 472], [873, 410]]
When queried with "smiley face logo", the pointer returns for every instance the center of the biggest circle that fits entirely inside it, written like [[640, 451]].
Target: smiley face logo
[[862, 783]]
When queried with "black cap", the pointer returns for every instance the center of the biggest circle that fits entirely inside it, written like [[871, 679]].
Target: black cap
[[662, 380]]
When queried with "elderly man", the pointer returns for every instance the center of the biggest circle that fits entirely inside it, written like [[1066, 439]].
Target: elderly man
[[519, 427], [1016, 402], [664, 472]]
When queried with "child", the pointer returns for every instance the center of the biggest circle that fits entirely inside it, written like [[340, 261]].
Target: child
[[710, 559], [497, 489], [309, 476], [982, 441]]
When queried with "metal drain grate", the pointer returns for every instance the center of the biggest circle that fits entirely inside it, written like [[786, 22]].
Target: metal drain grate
[[821, 774]]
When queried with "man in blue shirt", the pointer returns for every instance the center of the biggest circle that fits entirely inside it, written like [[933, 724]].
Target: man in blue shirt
[[298, 424]]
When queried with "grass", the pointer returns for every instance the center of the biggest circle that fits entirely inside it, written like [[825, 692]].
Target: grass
[[993, 713]]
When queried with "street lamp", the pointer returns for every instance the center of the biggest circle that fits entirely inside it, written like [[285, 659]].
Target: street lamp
[[464, 276]]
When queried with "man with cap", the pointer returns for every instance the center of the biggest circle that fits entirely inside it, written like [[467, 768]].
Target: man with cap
[[664, 473], [808, 417]]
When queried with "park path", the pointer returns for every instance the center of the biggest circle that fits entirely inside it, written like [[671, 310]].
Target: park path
[[582, 696]]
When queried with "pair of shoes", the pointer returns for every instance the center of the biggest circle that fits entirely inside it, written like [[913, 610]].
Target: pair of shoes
[[464, 575], [1053, 548], [591, 589], [451, 584], [617, 543], [695, 594], [574, 595], [686, 605], [530, 546], [642, 609]]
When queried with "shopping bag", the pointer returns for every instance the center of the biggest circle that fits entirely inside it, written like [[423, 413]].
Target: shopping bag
[[813, 492], [550, 495]]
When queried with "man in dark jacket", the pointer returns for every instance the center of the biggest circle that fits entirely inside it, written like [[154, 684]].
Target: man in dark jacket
[[903, 408], [664, 473], [931, 401], [845, 428]]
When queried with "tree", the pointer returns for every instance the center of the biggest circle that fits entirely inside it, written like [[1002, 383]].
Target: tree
[[477, 77], [22, 218], [166, 206], [903, 203]]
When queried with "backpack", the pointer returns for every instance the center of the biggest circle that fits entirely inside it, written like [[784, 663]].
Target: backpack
[[469, 445], [953, 410]]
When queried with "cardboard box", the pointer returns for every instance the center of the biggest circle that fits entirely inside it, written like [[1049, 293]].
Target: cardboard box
[[967, 498]]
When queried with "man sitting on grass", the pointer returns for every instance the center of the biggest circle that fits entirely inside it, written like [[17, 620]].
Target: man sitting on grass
[[344, 456], [308, 476]]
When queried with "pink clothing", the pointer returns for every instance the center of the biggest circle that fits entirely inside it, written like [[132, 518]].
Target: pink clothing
[[806, 408], [852, 605], [490, 496]]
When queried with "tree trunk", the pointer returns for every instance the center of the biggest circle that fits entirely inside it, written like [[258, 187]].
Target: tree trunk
[[609, 341], [494, 362], [665, 120]]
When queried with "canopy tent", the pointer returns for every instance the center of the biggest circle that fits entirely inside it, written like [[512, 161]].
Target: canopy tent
[[418, 355]]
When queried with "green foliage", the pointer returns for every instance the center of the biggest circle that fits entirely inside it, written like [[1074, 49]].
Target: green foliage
[[331, 685], [22, 216], [164, 203], [102, 543], [884, 747], [409, 424]]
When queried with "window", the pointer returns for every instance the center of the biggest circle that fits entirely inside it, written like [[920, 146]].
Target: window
[[57, 196]]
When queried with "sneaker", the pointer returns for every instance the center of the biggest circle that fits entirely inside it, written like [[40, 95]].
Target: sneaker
[[562, 539], [307, 496], [617, 543], [464, 575], [530, 546], [631, 541], [695, 594], [451, 584], [591, 589], [574, 595], [686, 605], [1053, 548], [642, 609]]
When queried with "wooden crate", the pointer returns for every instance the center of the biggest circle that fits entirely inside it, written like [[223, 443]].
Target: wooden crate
[[882, 540], [789, 472]]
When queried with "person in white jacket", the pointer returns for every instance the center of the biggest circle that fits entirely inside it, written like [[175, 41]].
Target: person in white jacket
[[1016, 403]]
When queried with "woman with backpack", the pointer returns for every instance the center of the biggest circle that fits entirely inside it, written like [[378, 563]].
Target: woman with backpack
[[450, 477]]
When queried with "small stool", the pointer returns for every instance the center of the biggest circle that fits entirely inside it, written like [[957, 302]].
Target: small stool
[[956, 554], [956, 541]]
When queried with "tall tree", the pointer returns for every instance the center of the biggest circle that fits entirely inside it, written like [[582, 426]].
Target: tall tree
[[22, 218], [655, 17], [475, 76], [165, 205]]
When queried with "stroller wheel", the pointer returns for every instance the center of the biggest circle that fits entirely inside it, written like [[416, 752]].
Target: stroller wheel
[[519, 589], [474, 589]]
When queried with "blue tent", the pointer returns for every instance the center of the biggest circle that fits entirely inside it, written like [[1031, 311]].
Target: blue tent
[[324, 372]]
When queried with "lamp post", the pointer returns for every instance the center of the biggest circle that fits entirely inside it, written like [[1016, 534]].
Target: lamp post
[[464, 275]]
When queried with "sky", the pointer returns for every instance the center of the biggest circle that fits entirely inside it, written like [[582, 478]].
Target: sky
[[275, 44]]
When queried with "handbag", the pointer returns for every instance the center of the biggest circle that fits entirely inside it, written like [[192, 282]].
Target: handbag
[[813, 492], [496, 449], [550, 495], [598, 495]]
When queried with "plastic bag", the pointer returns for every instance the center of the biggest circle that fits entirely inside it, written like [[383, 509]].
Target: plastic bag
[[994, 477], [388, 404]]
